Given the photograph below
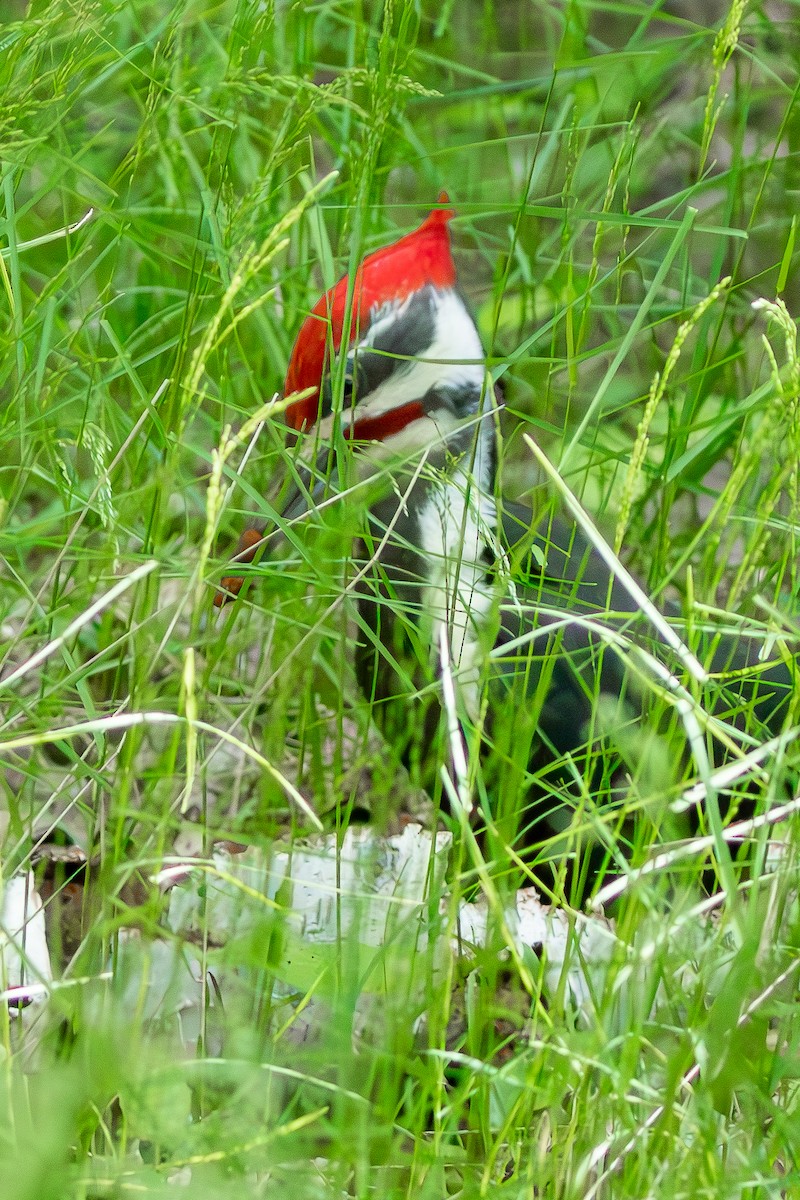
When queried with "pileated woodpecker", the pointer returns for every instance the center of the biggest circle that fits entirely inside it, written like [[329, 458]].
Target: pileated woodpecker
[[396, 380]]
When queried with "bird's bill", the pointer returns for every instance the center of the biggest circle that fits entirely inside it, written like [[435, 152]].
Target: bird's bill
[[305, 493]]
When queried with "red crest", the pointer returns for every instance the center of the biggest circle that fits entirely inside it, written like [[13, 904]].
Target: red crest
[[392, 273]]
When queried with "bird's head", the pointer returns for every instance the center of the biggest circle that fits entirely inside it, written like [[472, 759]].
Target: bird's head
[[412, 350], [413, 376]]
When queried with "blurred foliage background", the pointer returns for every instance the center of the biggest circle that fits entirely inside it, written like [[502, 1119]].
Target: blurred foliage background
[[160, 245]]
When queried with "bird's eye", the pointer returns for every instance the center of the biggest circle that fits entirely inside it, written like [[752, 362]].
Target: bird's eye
[[325, 398], [326, 392]]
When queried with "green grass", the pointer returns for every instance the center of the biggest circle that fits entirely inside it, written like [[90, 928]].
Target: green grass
[[165, 227]]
